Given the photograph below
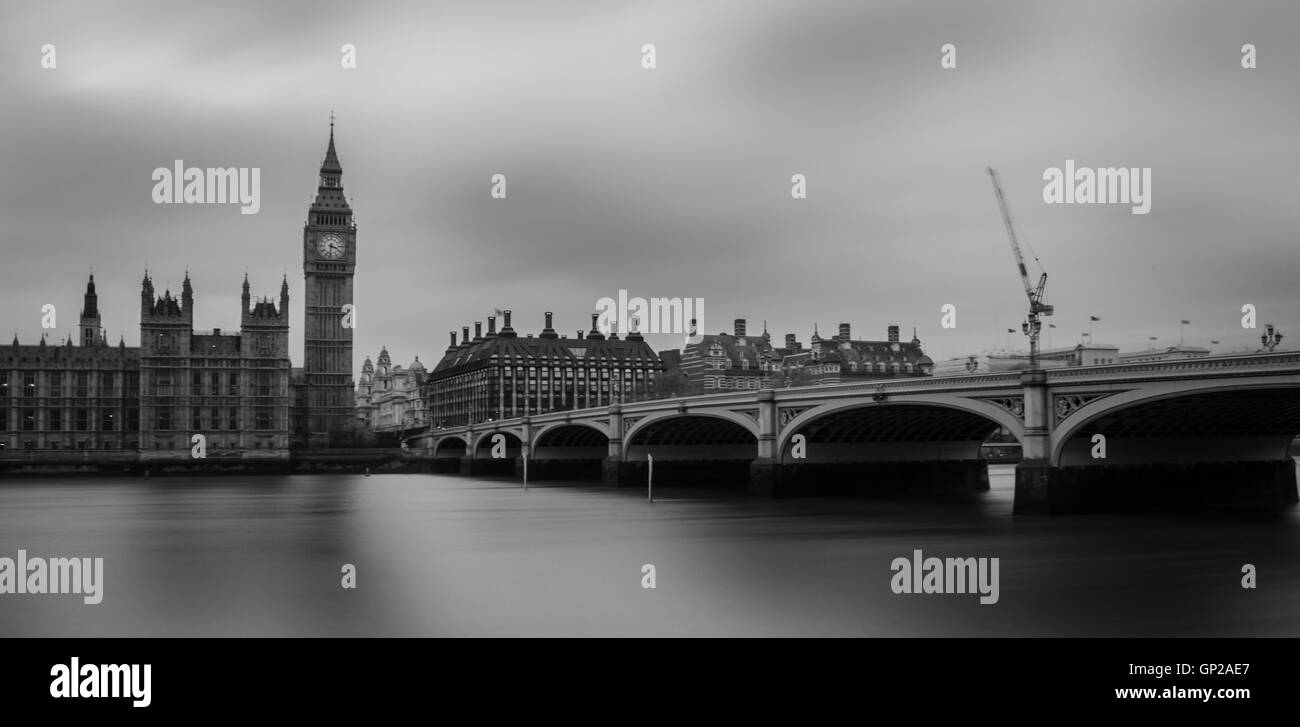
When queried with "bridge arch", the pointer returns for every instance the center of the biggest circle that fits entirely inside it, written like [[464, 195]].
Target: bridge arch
[[447, 445], [963, 413], [1224, 419], [545, 435], [657, 421], [483, 441]]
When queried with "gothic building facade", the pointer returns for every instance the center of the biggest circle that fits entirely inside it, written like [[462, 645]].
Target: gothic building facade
[[233, 388], [55, 398]]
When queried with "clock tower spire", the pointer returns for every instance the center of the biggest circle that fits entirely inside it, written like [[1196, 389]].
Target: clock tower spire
[[329, 262]]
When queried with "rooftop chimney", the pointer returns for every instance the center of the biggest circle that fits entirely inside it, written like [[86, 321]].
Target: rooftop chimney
[[845, 332], [548, 319], [478, 330], [453, 339], [740, 327], [464, 335], [893, 334], [790, 343], [492, 325], [507, 314]]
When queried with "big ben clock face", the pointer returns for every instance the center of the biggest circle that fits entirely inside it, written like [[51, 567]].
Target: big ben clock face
[[330, 247]]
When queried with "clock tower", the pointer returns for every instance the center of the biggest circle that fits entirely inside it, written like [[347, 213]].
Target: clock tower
[[329, 258]]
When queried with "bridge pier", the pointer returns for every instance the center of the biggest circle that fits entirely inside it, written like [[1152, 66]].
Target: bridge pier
[[1046, 490]]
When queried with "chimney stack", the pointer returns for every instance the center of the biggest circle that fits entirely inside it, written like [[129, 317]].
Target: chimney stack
[[740, 328], [893, 334], [453, 339], [790, 343], [464, 335], [492, 325], [478, 330], [507, 314], [548, 319], [845, 332]]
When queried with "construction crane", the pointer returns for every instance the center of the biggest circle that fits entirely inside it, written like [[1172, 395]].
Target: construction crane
[[1032, 325]]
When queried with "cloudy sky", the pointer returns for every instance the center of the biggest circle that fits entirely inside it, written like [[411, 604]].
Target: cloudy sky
[[666, 182]]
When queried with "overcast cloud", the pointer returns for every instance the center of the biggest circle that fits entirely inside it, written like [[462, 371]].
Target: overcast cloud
[[666, 182]]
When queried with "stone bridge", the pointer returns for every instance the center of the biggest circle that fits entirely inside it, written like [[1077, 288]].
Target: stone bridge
[[1214, 430]]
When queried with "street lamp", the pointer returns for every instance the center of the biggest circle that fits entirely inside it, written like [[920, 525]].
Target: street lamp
[[1270, 338]]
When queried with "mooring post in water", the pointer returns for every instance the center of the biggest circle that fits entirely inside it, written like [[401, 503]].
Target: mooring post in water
[[367, 472], [650, 478]]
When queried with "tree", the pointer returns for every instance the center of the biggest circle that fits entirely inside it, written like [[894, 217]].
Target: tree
[[673, 383]]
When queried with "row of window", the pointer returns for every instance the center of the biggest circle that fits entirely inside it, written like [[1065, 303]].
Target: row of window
[[80, 383], [109, 420], [29, 444], [213, 418]]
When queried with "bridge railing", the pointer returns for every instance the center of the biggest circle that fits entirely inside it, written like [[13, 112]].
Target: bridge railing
[[1231, 364]]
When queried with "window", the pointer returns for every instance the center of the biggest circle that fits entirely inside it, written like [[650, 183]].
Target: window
[[29, 384], [234, 419], [109, 444], [196, 383], [163, 419], [83, 420], [29, 444], [83, 383], [263, 418], [263, 383], [29, 420], [232, 381], [81, 444], [133, 419], [196, 421], [56, 420], [214, 418], [4, 383], [56, 383], [108, 421], [214, 386], [106, 384]]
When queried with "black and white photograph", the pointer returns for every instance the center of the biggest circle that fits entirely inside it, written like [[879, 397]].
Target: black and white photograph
[[918, 322]]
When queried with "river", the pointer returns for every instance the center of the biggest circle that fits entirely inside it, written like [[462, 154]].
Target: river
[[440, 555]]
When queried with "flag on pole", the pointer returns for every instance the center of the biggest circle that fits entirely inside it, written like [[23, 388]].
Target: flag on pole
[[1094, 318], [1214, 343], [1186, 323], [1151, 338], [1051, 325], [1011, 330]]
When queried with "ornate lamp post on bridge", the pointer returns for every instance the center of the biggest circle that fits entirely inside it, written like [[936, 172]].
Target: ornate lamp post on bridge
[[1270, 338]]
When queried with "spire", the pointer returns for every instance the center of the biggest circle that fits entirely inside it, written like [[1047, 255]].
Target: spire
[[90, 309], [331, 163], [187, 292]]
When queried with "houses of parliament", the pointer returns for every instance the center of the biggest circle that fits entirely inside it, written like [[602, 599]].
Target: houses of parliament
[[236, 388]]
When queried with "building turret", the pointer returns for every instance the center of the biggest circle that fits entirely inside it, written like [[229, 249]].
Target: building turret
[[92, 332]]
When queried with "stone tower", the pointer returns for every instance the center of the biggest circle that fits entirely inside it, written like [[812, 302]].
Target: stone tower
[[329, 261]]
